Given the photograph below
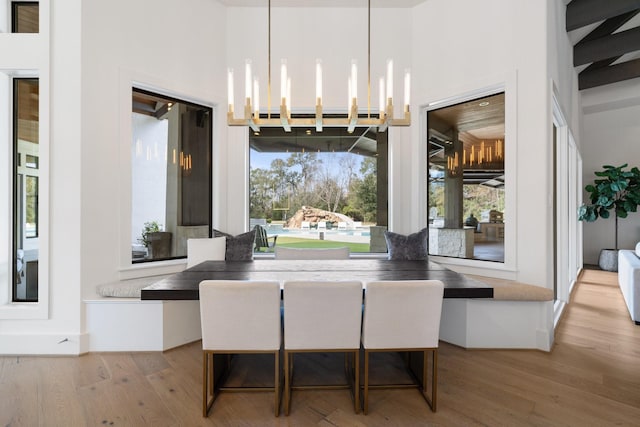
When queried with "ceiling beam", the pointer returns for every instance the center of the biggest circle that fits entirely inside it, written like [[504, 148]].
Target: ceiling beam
[[611, 74], [606, 47], [604, 29], [609, 26], [585, 12]]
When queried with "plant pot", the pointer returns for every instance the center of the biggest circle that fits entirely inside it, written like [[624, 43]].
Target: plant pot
[[608, 260], [159, 244]]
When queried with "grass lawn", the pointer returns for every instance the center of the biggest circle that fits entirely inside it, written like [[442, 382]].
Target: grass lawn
[[294, 242]]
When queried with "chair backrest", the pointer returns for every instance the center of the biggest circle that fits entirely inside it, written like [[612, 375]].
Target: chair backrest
[[322, 315], [240, 315], [199, 250], [303, 253], [402, 314], [261, 237]]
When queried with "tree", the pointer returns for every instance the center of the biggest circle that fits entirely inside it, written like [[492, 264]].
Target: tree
[[366, 189], [617, 190]]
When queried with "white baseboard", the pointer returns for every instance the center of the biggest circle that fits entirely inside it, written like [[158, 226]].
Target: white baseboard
[[43, 344]]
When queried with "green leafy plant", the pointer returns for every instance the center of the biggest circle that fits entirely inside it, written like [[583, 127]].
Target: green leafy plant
[[149, 227], [616, 189]]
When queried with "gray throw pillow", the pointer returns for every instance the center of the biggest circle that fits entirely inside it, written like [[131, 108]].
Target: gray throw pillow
[[240, 247], [411, 248]]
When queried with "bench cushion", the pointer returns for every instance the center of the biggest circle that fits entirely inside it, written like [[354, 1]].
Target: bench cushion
[[509, 290], [126, 288]]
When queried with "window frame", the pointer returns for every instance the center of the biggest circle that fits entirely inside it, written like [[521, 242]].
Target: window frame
[[176, 99], [506, 83], [14, 16], [128, 80], [9, 307], [383, 215]]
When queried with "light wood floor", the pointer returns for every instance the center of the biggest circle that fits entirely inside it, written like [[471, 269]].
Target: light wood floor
[[591, 378]]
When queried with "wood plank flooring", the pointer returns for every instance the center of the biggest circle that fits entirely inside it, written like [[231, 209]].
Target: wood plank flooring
[[590, 378]]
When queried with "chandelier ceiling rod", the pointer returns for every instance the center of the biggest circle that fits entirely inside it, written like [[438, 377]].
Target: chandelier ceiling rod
[[252, 106]]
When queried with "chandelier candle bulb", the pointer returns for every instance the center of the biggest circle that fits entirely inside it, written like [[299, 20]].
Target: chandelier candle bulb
[[289, 102], [318, 82], [349, 90], [354, 81], [390, 81], [283, 82], [247, 81], [256, 98], [381, 103], [407, 88], [230, 89]]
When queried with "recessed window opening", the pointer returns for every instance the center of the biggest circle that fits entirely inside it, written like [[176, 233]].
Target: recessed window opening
[[466, 158], [320, 189], [26, 222], [170, 175]]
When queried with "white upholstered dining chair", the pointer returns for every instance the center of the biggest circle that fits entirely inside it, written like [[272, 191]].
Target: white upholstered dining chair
[[239, 317], [206, 249], [322, 316], [282, 252], [403, 316]]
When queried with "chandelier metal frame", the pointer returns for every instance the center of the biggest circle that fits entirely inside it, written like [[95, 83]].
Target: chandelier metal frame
[[382, 120]]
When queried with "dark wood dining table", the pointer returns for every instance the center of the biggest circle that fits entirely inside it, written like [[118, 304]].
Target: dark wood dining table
[[184, 285]]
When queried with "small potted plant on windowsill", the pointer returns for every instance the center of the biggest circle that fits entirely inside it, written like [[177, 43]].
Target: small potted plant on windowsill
[[157, 241], [617, 189]]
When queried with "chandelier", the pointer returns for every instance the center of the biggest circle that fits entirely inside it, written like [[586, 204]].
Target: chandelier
[[382, 119]]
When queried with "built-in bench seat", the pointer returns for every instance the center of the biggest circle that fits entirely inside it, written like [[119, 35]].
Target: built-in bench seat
[[117, 319], [518, 316]]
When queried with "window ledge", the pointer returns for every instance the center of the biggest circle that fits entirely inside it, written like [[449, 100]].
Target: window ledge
[[24, 310]]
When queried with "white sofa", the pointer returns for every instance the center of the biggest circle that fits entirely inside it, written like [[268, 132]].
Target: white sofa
[[629, 280]]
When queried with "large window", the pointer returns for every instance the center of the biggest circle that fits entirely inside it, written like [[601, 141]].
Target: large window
[[170, 175], [466, 149], [25, 189], [320, 189]]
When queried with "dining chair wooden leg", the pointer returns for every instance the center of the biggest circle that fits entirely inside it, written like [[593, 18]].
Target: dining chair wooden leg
[[356, 385], [365, 408], [208, 395], [276, 384], [434, 379], [287, 383]]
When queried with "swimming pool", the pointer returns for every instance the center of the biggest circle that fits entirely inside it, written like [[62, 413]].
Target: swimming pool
[[278, 229]]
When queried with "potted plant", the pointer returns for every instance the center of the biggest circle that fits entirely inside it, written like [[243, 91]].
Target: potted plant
[[616, 189], [157, 242]]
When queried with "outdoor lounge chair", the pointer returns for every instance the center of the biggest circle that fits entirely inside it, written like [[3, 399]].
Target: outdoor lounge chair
[[263, 241]]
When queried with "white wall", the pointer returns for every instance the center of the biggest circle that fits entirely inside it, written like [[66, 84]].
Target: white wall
[[610, 136], [100, 48], [57, 328], [178, 51], [495, 42]]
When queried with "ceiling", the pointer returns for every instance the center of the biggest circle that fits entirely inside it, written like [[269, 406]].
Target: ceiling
[[322, 3], [606, 40], [362, 141]]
